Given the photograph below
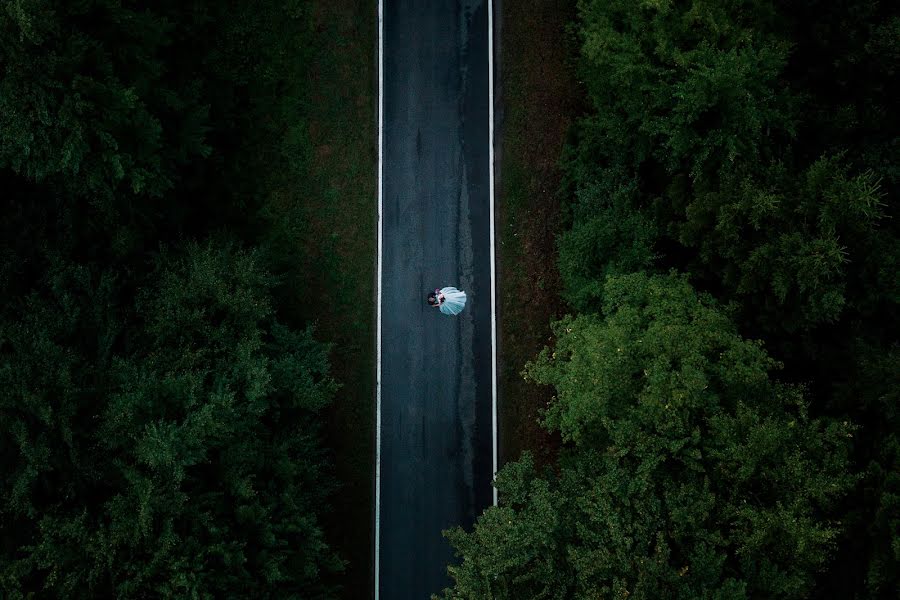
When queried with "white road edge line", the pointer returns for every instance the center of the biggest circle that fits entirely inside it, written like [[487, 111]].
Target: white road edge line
[[378, 298], [493, 274]]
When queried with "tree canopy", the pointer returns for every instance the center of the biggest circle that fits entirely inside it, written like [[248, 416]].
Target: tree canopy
[[691, 472], [89, 99], [751, 146], [178, 456], [159, 415]]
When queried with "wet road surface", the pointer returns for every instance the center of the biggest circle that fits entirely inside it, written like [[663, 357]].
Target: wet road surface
[[436, 437]]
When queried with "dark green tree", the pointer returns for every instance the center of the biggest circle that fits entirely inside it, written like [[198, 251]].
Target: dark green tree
[[684, 85], [160, 437], [689, 473], [753, 145], [90, 98], [609, 235], [868, 565], [794, 250]]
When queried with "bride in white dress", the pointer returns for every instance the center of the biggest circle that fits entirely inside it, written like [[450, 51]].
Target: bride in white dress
[[449, 299]]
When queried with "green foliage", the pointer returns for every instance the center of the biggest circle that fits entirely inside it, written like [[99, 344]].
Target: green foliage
[[783, 244], [608, 237], [873, 513], [845, 61], [162, 443], [178, 105], [87, 96], [882, 479], [160, 424], [688, 85], [794, 246], [690, 474], [752, 145], [659, 345]]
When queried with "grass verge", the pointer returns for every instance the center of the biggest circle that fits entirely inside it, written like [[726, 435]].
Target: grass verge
[[539, 99], [321, 223]]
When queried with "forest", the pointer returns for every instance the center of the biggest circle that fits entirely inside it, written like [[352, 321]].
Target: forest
[[163, 399], [725, 385]]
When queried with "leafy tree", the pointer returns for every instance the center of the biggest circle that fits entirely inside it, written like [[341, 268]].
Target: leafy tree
[[845, 62], [159, 423], [681, 92], [161, 442], [868, 564], [609, 235], [712, 176], [685, 85], [89, 97], [882, 481], [162, 115], [690, 472], [782, 244], [753, 145]]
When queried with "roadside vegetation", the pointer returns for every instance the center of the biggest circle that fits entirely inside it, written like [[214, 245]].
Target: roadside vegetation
[[539, 100], [725, 385], [187, 211]]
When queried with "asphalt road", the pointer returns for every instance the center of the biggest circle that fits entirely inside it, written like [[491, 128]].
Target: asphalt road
[[436, 438]]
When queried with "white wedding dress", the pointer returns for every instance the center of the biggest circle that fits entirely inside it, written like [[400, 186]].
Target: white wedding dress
[[454, 301]]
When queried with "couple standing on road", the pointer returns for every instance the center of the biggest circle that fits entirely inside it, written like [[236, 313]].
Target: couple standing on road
[[449, 299]]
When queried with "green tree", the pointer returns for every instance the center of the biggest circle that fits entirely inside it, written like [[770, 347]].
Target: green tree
[[689, 471], [151, 123], [868, 565], [684, 85], [610, 235], [753, 145], [89, 98], [161, 442], [782, 244], [846, 63]]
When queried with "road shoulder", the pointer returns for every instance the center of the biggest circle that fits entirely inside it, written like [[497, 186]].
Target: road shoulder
[[537, 100]]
